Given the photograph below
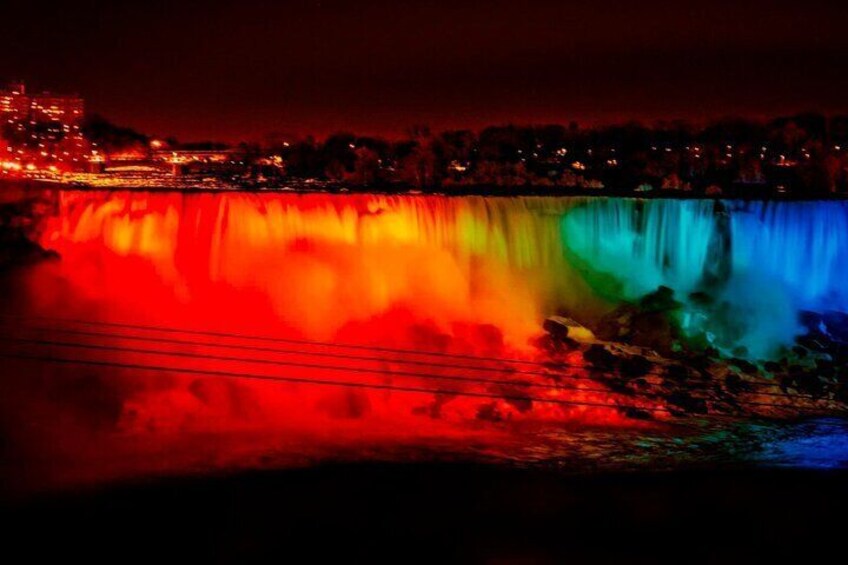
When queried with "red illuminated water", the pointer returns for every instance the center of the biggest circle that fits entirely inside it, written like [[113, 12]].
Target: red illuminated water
[[185, 333], [472, 277]]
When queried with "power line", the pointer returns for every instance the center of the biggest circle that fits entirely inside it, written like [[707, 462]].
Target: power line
[[266, 338], [260, 348], [304, 365], [552, 365], [323, 382], [364, 370], [298, 364]]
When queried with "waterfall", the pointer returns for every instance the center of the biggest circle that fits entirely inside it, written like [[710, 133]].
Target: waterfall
[[320, 264], [643, 244], [801, 245], [764, 261]]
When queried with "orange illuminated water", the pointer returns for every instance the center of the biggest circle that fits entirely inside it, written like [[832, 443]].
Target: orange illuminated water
[[458, 276], [321, 266], [182, 333]]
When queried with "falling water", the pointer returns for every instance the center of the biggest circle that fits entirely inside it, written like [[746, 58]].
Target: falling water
[[321, 263], [765, 262], [800, 245], [462, 275], [630, 247]]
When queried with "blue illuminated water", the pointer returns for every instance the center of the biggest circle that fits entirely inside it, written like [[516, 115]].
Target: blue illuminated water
[[762, 262], [816, 444], [802, 246]]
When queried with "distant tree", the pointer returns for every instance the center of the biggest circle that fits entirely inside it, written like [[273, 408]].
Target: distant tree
[[834, 172], [303, 158], [338, 155], [673, 182], [248, 152], [110, 137], [366, 168], [732, 131], [750, 169], [506, 143], [805, 152], [379, 146], [551, 138], [838, 131], [787, 137], [421, 158], [457, 145], [418, 168]]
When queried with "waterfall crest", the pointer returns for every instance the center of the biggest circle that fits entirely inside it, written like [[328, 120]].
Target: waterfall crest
[[320, 262]]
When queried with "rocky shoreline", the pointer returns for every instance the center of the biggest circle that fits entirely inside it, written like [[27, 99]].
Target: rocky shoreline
[[19, 226], [637, 350]]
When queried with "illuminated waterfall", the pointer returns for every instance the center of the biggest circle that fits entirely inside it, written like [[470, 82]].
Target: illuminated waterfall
[[320, 264], [801, 245], [765, 261], [643, 244]]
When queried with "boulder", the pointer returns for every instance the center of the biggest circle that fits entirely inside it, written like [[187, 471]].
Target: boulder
[[661, 300], [743, 365], [635, 366], [687, 402], [600, 357], [836, 324], [648, 323], [562, 327]]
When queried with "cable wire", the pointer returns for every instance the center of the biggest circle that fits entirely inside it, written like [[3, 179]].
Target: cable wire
[[304, 365], [550, 365], [325, 382], [362, 370]]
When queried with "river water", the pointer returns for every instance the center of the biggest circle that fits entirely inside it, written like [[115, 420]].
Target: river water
[[165, 330]]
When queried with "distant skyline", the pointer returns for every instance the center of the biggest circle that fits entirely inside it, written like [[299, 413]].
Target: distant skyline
[[240, 70]]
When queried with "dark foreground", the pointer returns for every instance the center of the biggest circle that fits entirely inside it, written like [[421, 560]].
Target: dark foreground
[[443, 513]]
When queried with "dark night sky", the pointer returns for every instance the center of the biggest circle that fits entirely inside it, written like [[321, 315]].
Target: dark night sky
[[239, 69]]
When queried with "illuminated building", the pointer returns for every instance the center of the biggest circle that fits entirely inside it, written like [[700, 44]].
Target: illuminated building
[[42, 129], [14, 103], [206, 160]]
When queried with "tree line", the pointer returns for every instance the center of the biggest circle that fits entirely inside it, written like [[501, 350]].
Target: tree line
[[804, 153]]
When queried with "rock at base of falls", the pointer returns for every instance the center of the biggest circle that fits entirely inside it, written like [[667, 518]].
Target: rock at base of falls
[[647, 323], [563, 327], [17, 226], [689, 382]]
